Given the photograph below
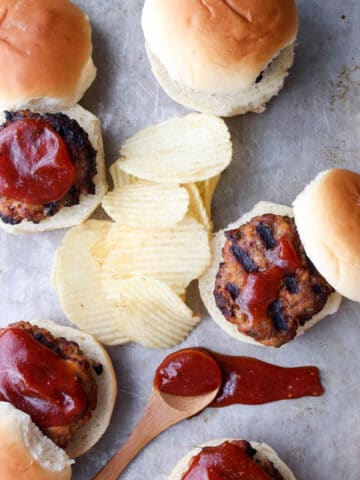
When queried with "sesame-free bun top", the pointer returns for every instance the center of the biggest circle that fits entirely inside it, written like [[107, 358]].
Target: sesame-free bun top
[[327, 216], [218, 46], [25, 453], [45, 54]]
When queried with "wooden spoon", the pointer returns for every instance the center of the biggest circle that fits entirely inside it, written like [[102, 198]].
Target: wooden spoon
[[162, 411]]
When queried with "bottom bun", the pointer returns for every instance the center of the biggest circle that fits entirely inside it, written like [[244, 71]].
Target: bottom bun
[[251, 99], [93, 430], [207, 281], [69, 216], [25, 453], [263, 452]]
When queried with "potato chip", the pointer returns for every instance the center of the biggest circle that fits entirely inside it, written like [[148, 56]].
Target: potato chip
[[182, 150], [121, 178], [197, 209], [77, 280], [175, 256], [207, 189], [151, 313], [147, 204]]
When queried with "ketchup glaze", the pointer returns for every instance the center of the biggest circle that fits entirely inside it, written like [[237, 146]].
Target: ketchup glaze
[[35, 166], [36, 380], [261, 289], [226, 461]]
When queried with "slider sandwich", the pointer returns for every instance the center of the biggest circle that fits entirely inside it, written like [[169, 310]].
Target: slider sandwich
[[52, 172], [220, 57], [231, 459], [57, 389], [277, 271]]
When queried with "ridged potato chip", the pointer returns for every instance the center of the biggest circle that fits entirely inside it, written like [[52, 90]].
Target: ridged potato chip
[[121, 178], [151, 313], [207, 189], [182, 150], [175, 256], [77, 280], [196, 208], [147, 205]]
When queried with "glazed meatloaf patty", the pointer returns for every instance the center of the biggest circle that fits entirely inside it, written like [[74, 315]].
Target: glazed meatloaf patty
[[214, 460], [266, 285], [82, 155], [69, 351]]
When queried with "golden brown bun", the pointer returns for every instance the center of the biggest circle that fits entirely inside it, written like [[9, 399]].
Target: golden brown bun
[[218, 46], [327, 215], [264, 452], [207, 281], [25, 453], [45, 54]]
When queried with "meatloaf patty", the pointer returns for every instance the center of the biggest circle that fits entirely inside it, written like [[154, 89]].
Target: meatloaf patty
[[255, 265], [82, 155], [214, 460], [69, 351]]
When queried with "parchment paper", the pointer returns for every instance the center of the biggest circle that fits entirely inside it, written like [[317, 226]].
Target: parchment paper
[[312, 125]]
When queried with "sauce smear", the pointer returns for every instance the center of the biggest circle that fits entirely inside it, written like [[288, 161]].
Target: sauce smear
[[226, 461], [249, 381], [261, 289], [34, 379], [35, 166], [243, 380], [188, 373]]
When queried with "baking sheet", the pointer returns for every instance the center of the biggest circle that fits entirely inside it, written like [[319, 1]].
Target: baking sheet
[[314, 124]]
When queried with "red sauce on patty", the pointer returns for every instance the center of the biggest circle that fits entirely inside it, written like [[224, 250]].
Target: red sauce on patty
[[37, 381], [35, 165]]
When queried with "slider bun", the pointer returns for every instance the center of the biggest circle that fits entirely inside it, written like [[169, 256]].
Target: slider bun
[[70, 216], [25, 453], [94, 429], [207, 281], [327, 215], [264, 452], [46, 58], [207, 55]]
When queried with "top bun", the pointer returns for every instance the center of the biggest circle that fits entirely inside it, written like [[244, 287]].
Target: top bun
[[327, 215], [45, 55], [218, 46], [25, 453]]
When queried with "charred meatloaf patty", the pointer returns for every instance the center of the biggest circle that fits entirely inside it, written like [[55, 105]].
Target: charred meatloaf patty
[[82, 155], [266, 285], [69, 351]]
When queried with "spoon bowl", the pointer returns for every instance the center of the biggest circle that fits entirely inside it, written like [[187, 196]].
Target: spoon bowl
[[162, 411]]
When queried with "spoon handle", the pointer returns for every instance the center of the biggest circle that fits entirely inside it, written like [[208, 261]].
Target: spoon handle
[[150, 426]]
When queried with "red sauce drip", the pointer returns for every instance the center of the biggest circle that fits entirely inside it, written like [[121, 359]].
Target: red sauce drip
[[182, 373], [224, 462], [35, 166], [261, 289], [243, 380], [34, 379], [252, 382]]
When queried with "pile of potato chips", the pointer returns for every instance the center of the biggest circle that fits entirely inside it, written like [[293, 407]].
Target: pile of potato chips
[[126, 280]]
